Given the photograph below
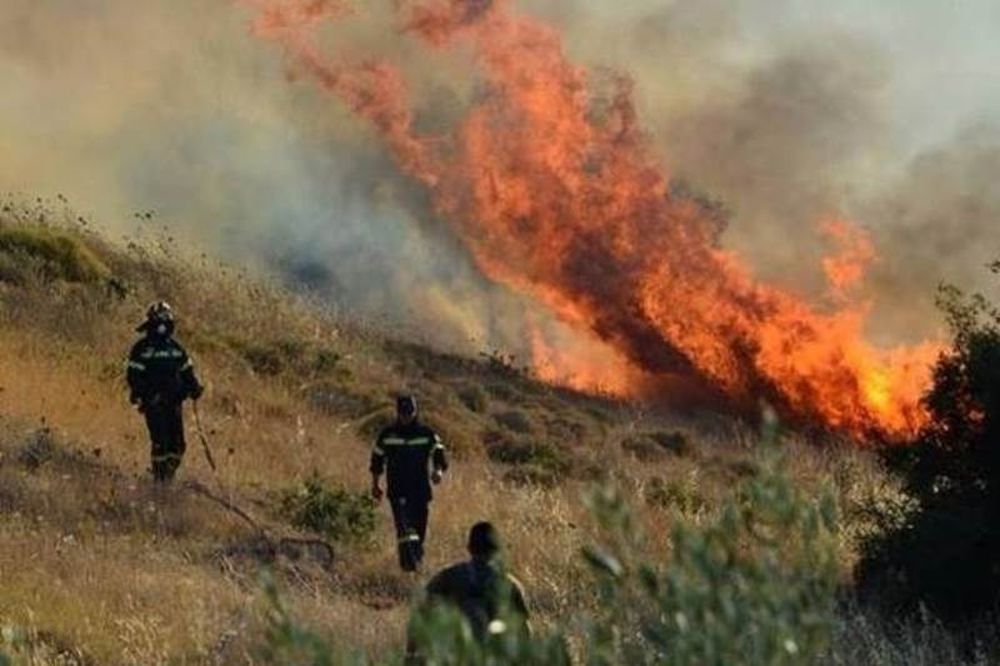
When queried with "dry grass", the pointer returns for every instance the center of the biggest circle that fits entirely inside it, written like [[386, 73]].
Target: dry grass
[[101, 568]]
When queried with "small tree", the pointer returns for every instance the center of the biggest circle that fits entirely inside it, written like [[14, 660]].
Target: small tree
[[946, 553]]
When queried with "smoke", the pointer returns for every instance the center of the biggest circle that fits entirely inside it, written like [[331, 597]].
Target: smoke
[[788, 120], [939, 220], [792, 112], [170, 106]]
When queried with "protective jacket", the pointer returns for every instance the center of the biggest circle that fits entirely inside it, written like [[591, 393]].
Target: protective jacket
[[160, 372], [482, 593], [160, 377], [405, 453]]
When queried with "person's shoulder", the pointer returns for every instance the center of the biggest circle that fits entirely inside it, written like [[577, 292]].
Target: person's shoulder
[[390, 430], [139, 345], [424, 430], [448, 578]]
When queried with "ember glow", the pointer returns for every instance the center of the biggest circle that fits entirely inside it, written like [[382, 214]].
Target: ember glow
[[553, 190]]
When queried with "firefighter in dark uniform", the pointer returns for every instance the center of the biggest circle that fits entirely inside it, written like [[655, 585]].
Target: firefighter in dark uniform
[[479, 587], [491, 600], [160, 377], [412, 457]]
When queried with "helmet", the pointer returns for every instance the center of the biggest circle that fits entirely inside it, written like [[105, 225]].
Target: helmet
[[159, 319], [406, 405], [484, 540]]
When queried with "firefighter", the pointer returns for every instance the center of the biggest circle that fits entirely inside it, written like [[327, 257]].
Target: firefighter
[[488, 598], [160, 377], [412, 457]]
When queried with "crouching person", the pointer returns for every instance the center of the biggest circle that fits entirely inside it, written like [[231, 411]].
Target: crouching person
[[474, 606]]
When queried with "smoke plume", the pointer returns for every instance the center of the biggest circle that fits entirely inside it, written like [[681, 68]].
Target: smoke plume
[[774, 115]]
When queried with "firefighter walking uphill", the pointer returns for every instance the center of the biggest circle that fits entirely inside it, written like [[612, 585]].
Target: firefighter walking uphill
[[412, 457], [160, 377]]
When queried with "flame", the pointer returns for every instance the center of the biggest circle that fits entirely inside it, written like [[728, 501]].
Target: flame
[[581, 363], [555, 193], [846, 270]]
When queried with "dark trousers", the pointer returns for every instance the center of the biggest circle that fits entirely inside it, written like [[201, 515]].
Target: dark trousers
[[410, 516], [166, 432]]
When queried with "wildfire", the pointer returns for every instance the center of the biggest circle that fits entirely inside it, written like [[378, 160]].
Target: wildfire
[[582, 364], [846, 269], [555, 193]]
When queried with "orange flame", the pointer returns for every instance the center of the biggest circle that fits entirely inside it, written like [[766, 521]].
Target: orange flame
[[846, 269], [558, 196], [581, 363]]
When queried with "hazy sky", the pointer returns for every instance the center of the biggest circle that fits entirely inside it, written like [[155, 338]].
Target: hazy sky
[[945, 57], [944, 54]]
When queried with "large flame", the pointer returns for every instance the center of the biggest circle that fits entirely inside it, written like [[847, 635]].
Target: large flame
[[555, 193]]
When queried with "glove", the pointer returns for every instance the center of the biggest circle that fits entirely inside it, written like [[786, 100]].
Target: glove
[[196, 391]]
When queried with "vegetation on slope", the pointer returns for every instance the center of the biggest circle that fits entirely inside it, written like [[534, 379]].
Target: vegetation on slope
[[99, 566], [295, 393]]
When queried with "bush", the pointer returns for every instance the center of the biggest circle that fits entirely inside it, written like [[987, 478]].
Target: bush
[[338, 514], [649, 446], [40, 449], [276, 357], [34, 646], [55, 255], [535, 463], [756, 586], [682, 495], [514, 421], [944, 554], [287, 642], [474, 398]]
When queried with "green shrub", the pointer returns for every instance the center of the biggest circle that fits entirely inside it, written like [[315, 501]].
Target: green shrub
[[649, 446], [474, 398], [277, 357], [674, 442], [343, 401], [944, 554], [756, 586], [338, 514], [288, 642], [270, 358], [537, 463], [36, 646], [54, 254], [681, 495], [325, 360], [40, 449], [527, 453], [514, 421]]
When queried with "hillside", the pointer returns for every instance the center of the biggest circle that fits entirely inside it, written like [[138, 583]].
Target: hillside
[[100, 567]]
